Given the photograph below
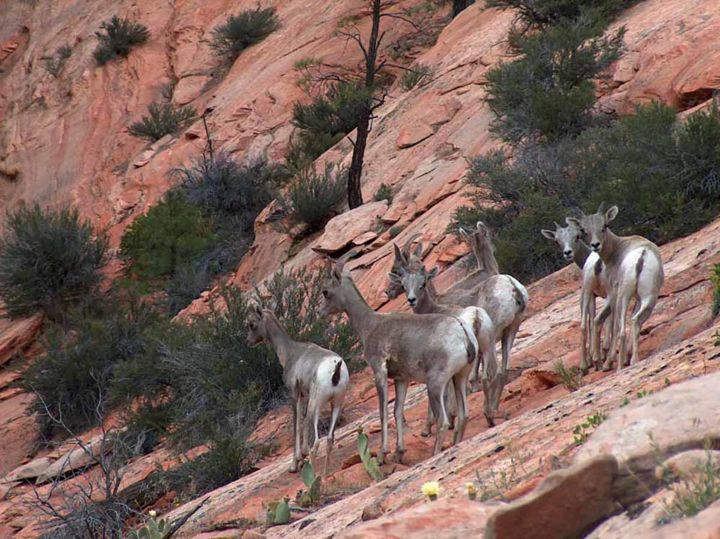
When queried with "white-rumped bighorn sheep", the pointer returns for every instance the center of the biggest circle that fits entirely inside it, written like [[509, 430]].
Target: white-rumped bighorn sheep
[[501, 296], [634, 270], [433, 349], [594, 284], [313, 375]]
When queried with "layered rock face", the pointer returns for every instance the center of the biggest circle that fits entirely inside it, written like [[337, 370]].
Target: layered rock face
[[63, 140]]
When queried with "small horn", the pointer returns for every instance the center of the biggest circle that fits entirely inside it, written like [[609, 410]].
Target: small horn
[[557, 226], [406, 248]]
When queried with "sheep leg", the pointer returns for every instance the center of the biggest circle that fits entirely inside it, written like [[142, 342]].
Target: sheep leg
[[381, 385], [400, 394], [297, 451], [429, 420], [437, 399], [460, 384], [335, 406]]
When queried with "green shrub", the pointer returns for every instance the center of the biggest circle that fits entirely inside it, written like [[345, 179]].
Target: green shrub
[[324, 121], [664, 184], [49, 260], [384, 192], [548, 92], [222, 185], [243, 30], [55, 63], [313, 196], [117, 37], [414, 76], [543, 13], [72, 380], [163, 119], [171, 235]]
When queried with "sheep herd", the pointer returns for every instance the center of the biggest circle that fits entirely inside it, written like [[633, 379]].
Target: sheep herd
[[449, 339]]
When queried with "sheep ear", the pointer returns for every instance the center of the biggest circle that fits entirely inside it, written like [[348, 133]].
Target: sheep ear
[[394, 278], [337, 271], [464, 233], [611, 213], [573, 221], [399, 255], [549, 234], [433, 273], [481, 229]]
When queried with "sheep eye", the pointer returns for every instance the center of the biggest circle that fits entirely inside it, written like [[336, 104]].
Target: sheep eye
[[325, 293]]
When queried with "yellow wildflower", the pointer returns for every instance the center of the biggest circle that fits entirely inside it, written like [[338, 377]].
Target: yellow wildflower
[[471, 490], [152, 513], [431, 489]]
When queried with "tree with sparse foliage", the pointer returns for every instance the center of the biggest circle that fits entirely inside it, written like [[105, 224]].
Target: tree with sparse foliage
[[117, 37], [49, 261]]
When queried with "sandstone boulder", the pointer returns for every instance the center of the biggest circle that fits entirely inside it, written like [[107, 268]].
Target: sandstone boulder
[[343, 229]]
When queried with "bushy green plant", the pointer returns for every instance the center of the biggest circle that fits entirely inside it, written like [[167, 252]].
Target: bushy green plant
[[539, 14], [224, 185], [314, 195], [72, 380], [117, 37], [239, 32], [49, 260], [169, 236], [324, 121], [664, 185], [414, 76], [384, 192], [547, 93], [163, 119], [55, 63]]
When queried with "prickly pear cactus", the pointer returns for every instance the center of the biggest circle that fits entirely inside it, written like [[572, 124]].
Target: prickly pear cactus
[[371, 464], [313, 483], [153, 529]]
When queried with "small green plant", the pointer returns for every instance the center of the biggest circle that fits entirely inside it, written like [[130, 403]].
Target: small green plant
[[369, 462], [693, 493], [313, 484], [163, 119], [154, 528], [395, 230], [55, 63], [571, 377], [715, 280], [117, 37], [278, 512], [239, 32], [169, 236], [384, 192], [582, 432], [643, 393], [313, 196], [49, 261], [414, 76]]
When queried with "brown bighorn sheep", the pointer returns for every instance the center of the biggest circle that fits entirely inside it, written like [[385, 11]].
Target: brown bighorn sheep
[[313, 375], [501, 296], [634, 269], [594, 284], [413, 283], [433, 349]]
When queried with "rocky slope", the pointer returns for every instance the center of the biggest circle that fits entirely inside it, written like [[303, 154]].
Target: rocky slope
[[63, 141]]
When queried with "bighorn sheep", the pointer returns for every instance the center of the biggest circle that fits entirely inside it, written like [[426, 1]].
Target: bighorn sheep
[[414, 283], [433, 349], [594, 284], [634, 269], [313, 375], [501, 296]]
